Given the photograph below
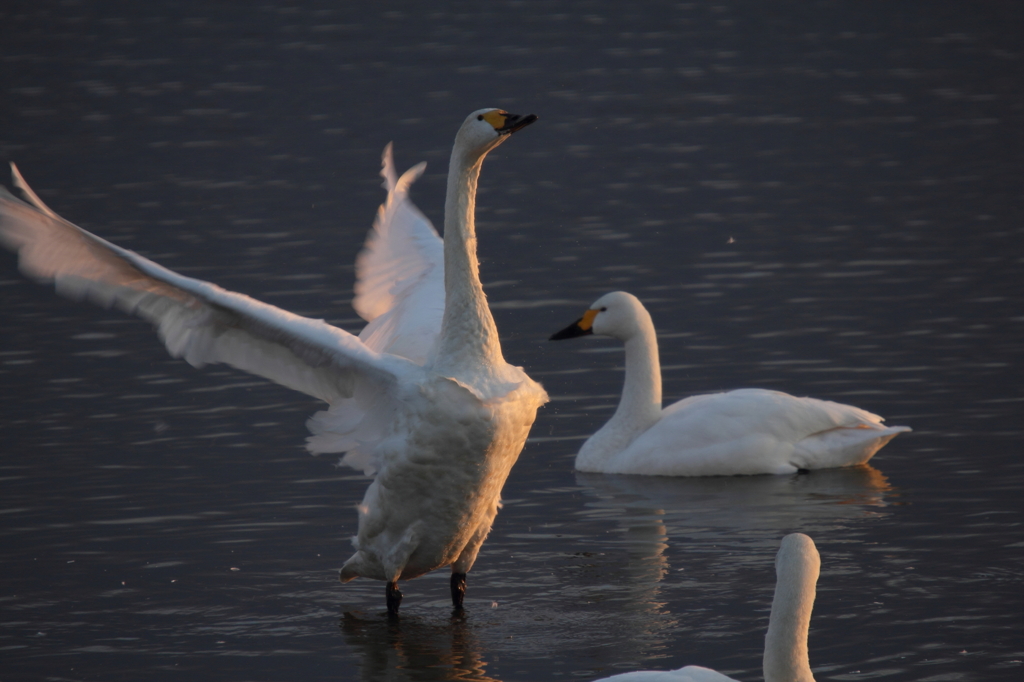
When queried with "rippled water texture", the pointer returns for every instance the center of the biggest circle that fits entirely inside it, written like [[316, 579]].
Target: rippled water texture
[[821, 198]]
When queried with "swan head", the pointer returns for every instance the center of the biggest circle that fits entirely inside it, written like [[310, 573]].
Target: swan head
[[485, 129], [618, 314]]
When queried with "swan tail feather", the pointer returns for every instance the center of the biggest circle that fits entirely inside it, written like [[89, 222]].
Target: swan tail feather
[[843, 446]]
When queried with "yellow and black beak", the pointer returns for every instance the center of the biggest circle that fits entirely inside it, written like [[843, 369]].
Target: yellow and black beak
[[514, 122], [505, 123], [581, 327]]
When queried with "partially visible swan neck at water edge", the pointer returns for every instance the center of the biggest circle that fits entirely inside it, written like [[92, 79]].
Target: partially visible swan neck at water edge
[[785, 646], [621, 316], [468, 346]]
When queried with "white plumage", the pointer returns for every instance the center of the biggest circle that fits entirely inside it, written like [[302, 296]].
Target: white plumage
[[422, 398], [746, 431], [400, 273], [691, 673], [785, 645]]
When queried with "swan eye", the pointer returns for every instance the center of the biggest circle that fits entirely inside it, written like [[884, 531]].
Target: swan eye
[[480, 117], [604, 310]]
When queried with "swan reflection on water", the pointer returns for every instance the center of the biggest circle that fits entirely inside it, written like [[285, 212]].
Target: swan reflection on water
[[696, 541], [813, 501], [680, 554], [412, 649]]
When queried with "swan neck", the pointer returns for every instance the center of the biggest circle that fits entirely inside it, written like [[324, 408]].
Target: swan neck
[[640, 406], [785, 646], [469, 339]]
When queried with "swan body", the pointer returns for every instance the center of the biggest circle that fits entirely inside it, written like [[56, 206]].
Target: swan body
[[746, 431], [423, 399], [797, 566]]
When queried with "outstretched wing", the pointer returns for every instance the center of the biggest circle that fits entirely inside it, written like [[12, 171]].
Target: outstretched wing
[[400, 273], [199, 321]]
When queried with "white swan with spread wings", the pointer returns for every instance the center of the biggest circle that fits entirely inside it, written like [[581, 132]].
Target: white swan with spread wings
[[423, 398]]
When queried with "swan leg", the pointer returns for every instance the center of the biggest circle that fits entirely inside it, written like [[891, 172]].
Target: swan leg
[[394, 597], [458, 584], [466, 560]]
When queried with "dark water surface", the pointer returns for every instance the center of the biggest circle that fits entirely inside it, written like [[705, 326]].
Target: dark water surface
[[821, 198]]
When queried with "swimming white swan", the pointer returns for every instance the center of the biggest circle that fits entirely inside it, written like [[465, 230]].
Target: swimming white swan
[[747, 431], [423, 399], [785, 646]]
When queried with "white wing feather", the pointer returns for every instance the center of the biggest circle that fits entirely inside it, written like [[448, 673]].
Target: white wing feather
[[754, 431], [400, 273], [204, 323]]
